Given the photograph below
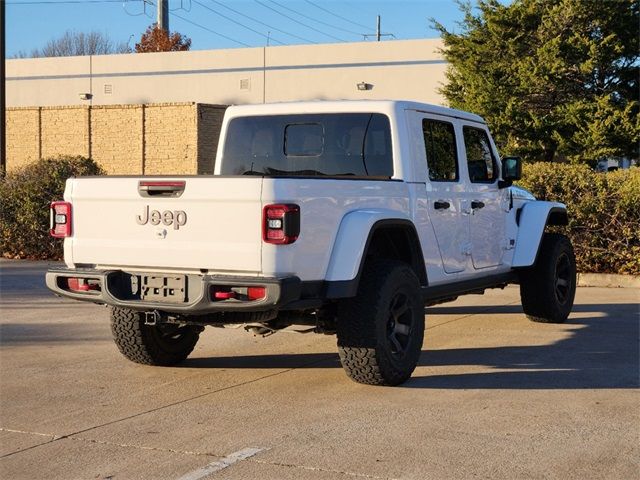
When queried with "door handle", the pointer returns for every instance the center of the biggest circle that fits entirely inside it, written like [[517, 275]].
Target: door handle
[[476, 205], [441, 205]]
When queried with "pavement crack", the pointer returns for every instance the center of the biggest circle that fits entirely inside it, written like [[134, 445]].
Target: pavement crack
[[319, 469], [52, 438], [173, 404]]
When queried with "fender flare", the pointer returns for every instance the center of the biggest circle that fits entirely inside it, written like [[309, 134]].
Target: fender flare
[[354, 235], [532, 220]]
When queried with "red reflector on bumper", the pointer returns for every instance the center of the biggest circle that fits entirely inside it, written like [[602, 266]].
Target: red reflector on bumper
[[224, 295], [81, 284], [256, 293], [238, 293]]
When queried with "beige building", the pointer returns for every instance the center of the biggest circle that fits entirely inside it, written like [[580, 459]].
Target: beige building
[[156, 112], [150, 139], [402, 69]]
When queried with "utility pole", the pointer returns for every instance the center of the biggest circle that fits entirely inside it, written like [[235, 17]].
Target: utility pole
[[378, 33], [163, 15], [3, 98]]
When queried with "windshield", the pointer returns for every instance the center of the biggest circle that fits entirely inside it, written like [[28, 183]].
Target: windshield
[[337, 144]]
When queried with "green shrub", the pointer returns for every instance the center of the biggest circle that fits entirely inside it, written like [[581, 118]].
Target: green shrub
[[25, 195], [604, 212]]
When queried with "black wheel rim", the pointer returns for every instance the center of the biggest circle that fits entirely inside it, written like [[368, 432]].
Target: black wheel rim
[[563, 281], [399, 324]]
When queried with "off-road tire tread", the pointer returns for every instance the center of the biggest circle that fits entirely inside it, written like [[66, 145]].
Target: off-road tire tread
[[536, 293], [135, 342], [356, 330]]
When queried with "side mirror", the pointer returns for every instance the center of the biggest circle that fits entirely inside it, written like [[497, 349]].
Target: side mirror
[[511, 170]]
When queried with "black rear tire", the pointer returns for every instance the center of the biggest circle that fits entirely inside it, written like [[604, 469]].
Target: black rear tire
[[161, 344], [380, 331], [547, 289]]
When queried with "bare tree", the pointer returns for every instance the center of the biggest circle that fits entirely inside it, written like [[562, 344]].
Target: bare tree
[[77, 43]]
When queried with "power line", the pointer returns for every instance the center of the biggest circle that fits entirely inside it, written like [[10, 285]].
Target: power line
[[316, 20], [211, 31], [237, 23], [298, 21], [262, 23], [62, 2], [336, 15]]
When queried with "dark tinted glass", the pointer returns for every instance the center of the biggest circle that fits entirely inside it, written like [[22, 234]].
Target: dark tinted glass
[[440, 145], [480, 160], [352, 144], [303, 140]]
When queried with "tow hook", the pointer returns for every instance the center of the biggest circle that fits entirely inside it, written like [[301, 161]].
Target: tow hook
[[152, 318]]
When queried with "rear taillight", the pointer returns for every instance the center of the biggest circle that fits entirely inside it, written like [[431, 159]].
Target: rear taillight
[[60, 219], [280, 224]]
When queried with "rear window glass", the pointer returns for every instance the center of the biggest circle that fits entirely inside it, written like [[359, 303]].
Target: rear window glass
[[303, 140], [346, 144]]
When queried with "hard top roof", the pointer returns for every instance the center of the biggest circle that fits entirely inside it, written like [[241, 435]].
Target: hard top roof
[[336, 106]]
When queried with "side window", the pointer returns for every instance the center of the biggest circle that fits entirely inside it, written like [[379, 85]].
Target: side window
[[440, 146], [481, 163]]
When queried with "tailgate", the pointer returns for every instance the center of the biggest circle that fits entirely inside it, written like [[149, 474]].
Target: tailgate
[[211, 223]]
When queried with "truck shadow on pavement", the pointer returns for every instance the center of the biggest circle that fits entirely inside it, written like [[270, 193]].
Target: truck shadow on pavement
[[599, 351]]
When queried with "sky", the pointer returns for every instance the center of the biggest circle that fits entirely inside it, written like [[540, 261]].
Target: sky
[[214, 24]]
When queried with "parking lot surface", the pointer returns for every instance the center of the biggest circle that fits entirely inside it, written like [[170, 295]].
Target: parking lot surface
[[494, 396]]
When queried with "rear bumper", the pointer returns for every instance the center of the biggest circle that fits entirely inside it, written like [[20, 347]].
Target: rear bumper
[[115, 289]]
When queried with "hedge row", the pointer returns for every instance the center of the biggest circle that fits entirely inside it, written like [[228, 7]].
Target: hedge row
[[604, 210], [25, 196]]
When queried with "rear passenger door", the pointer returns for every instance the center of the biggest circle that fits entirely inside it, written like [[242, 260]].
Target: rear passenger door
[[444, 188], [484, 203]]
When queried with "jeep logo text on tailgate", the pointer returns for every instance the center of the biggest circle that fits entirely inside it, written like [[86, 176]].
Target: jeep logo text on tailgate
[[177, 218]]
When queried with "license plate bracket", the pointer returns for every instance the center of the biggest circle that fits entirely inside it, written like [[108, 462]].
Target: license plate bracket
[[163, 288]]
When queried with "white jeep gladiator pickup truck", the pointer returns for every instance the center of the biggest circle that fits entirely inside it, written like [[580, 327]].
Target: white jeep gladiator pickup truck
[[348, 216]]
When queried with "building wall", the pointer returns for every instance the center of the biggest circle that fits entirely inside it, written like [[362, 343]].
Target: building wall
[[65, 131], [117, 136], [23, 135], [174, 138], [400, 69], [171, 140]]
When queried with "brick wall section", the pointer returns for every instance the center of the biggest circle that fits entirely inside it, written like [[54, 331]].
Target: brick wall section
[[65, 131], [209, 124], [154, 139], [23, 136], [117, 138], [171, 140]]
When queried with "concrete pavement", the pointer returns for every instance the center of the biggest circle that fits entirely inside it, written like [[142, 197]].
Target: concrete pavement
[[494, 396]]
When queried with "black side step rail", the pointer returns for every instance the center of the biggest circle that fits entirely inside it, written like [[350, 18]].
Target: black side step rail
[[475, 285]]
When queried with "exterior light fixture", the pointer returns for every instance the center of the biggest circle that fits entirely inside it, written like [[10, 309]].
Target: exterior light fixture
[[85, 96], [364, 86]]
